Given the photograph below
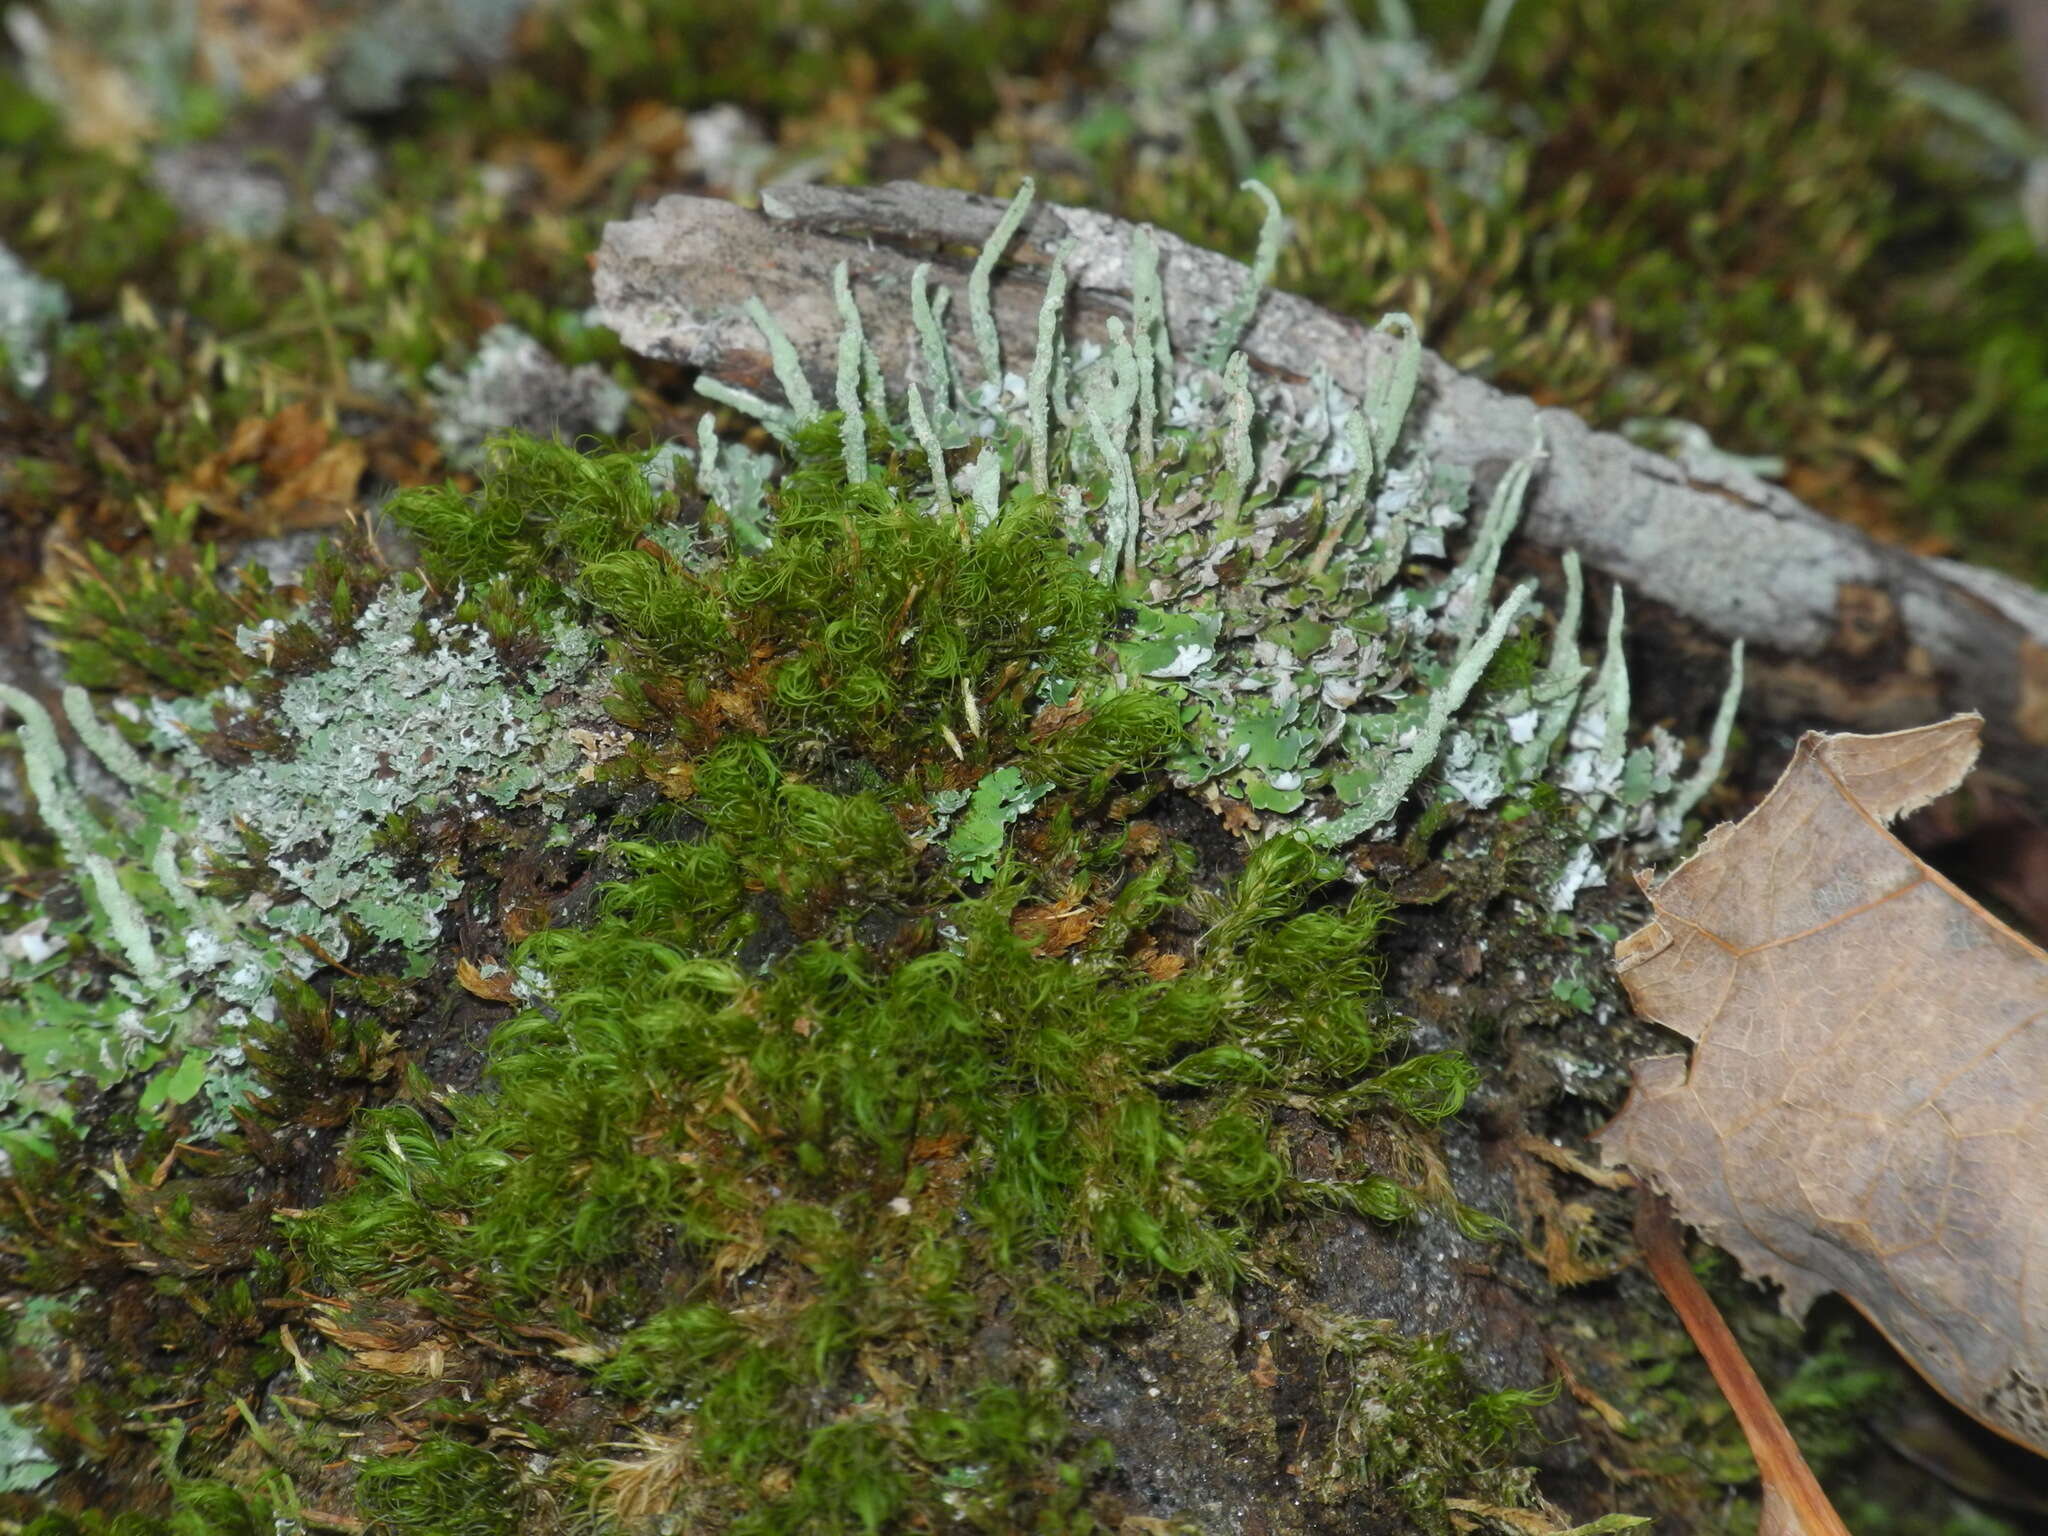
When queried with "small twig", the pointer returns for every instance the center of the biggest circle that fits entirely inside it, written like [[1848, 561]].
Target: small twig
[[1804, 1508]]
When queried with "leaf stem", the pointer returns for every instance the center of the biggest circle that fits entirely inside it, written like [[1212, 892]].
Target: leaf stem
[[1805, 1510]]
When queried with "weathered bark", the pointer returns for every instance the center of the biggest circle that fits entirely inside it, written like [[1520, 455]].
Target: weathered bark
[[1851, 632]]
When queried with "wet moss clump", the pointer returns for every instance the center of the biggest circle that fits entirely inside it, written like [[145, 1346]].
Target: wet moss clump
[[205, 1508], [163, 619], [862, 628], [443, 1485], [801, 1115]]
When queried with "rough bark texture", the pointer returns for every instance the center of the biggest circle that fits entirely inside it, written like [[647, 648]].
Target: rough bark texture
[[1854, 632]]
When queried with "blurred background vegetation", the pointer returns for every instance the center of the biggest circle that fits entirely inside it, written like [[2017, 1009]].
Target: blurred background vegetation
[[1805, 228]]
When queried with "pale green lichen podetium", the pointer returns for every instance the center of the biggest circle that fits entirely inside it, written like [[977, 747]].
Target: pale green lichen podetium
[[1329, 678], [161, 982], [413, 715], [1310, 85]]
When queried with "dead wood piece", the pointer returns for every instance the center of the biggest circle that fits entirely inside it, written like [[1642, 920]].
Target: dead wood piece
[[1737, 555]]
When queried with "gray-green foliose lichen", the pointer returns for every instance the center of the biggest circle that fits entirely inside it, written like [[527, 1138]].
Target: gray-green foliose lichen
[[401, 41], [415, 715], [513, 383], [31, 1329], [23, 1462], [976, 821], [389, 727]]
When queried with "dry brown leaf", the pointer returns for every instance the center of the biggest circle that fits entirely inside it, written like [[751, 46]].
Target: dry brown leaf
[[1238, 817], [740, 706], [312, 497], [1616, 1421], [352, 1339], [1159, 965], [933, 1149], [1057, 717], [261, 45], [104, 106], [1568, 1160], [429, 1360], [1863, 1110], [570, 175], [492, 989], [522, 922], [303, 476]]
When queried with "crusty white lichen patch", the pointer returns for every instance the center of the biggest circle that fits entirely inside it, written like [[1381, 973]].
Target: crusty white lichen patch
[[31, 307], [513, 383]]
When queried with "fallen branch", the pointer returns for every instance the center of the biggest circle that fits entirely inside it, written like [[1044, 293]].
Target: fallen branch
[[1856, 633]]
